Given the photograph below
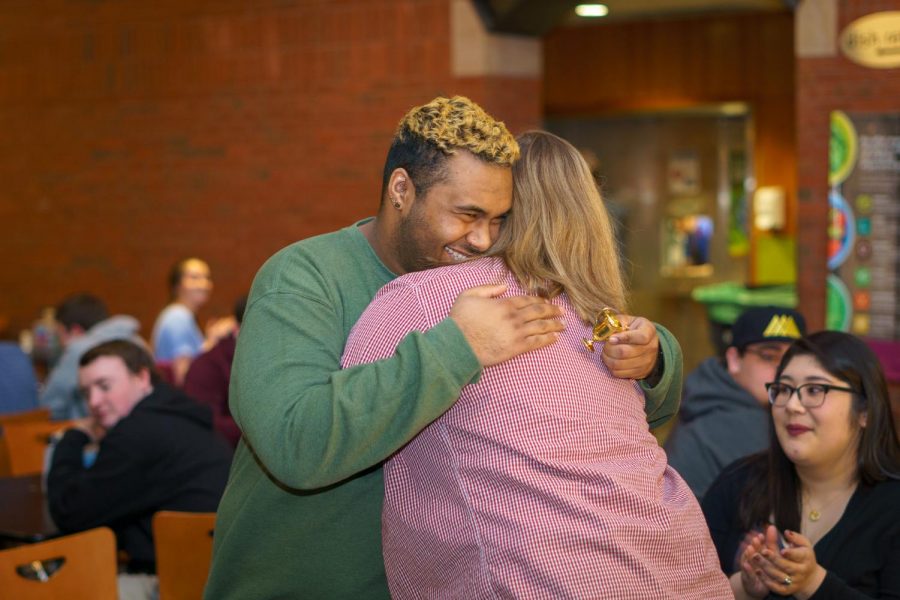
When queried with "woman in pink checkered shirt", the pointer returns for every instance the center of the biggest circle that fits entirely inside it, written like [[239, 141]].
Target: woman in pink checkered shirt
[[543, 480]]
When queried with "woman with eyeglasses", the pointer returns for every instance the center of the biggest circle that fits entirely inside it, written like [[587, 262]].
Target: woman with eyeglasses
[[818, 514]]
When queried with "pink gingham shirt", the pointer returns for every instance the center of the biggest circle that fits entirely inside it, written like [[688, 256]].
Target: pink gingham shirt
[[542, 481]]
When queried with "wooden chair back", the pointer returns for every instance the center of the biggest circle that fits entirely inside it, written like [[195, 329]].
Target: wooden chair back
[[26, 443], [81, 566], [183, 544], [38, 414]]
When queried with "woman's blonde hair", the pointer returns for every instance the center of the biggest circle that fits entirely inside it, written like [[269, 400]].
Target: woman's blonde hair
[[558, 236]]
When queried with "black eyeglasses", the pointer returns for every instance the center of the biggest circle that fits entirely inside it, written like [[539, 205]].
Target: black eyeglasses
[[813, 394]]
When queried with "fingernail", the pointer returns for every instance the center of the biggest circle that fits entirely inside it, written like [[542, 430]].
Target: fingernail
[[614, 340]]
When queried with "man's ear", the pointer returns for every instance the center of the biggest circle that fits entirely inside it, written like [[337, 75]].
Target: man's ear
[[733, 360], [145, 378], [400, 189]]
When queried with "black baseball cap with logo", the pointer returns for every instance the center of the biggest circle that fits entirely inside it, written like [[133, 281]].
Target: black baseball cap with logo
[[767, 324]]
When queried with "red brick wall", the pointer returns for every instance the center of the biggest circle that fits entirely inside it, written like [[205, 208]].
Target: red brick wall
[[133, 133], [823, 85]]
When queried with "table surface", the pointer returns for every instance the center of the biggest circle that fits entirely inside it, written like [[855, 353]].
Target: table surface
[[23, 513]]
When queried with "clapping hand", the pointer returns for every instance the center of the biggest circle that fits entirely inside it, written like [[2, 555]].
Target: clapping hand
[[217, 329], [751, 580], [789, 571]]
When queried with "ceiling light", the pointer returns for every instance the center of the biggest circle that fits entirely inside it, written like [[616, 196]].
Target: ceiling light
[[591, 10]]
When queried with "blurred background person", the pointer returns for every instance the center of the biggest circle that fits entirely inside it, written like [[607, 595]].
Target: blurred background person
[[157, 451], [725, 410], [209, 375], [177, 339], [18, 383], [82, 322], [816, 516]]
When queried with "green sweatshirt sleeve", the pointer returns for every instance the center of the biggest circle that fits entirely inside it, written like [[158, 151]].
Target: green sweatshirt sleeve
[[311, 424], [663, 399]]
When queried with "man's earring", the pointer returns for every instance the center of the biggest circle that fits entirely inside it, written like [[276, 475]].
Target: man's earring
[[396, 203]]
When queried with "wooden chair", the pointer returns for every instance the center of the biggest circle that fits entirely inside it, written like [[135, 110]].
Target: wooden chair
[[27, 416], [81, 566], [26, 443], [183, 544]]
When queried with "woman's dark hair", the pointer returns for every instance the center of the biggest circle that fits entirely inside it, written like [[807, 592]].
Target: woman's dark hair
[[175, 275], [773, 487], [135, 357], [84, 310]]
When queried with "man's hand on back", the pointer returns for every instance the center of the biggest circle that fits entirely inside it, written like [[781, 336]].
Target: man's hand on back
[[500, 328], [632, 354]]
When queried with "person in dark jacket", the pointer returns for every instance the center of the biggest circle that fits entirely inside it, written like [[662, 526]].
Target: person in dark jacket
[[157, 451], [725, 411]]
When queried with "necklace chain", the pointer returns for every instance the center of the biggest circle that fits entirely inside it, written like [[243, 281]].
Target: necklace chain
[[815, 514]]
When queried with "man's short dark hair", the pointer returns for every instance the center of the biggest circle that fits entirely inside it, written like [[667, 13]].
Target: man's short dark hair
[[134, 356], [84, 310], [422, 160]]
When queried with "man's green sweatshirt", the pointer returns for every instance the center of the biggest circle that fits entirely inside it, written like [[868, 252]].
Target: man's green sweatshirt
[[301, 515]]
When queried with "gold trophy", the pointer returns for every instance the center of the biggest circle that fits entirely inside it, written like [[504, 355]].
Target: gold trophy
[[607, 324]]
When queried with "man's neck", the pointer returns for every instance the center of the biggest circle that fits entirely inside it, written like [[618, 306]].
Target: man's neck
[[377, 233]]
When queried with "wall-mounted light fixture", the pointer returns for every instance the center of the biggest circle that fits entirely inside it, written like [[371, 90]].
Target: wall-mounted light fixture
[[769, 208], [591, 10]]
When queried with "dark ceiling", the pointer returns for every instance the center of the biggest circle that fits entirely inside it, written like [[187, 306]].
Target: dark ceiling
[[537, 17]]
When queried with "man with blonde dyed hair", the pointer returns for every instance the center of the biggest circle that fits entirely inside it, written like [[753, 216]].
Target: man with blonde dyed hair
[[301, 517]]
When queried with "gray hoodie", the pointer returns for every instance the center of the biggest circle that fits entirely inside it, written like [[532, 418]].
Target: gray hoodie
[[719, 422], [60, 393]]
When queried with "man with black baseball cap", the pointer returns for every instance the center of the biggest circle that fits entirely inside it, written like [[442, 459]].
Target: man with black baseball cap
[[724, 409]]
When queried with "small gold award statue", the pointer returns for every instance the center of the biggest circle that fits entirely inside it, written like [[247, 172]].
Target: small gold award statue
[[607, 324]]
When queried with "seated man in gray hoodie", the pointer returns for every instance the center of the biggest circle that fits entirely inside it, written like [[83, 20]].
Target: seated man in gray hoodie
[[82, 323], [724, 408]]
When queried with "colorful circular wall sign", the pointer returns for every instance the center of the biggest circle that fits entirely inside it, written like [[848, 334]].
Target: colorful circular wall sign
[[841, 230], [839, 310], [842, 148]]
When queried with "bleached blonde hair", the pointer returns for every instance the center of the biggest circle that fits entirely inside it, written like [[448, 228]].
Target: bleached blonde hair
[[457, 122], [558, 236], [429, 134]]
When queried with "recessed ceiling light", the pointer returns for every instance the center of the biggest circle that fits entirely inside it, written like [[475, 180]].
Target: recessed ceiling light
[[591, 10]]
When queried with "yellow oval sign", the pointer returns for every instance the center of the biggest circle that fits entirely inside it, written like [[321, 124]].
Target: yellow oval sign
[[874, 40]]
